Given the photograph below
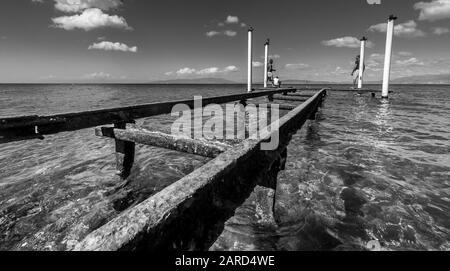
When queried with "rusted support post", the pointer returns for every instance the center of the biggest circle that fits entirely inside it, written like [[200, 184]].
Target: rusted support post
[[125, 151]]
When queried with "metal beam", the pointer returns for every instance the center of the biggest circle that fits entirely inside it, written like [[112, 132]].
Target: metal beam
[[158, 139], [26, 127]]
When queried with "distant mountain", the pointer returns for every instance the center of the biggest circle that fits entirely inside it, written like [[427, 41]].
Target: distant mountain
[[423, 79], [195, 81]]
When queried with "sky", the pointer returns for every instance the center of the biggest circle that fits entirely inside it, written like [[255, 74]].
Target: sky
[[139, 41]]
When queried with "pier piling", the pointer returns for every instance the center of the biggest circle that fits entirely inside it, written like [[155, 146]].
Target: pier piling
[[266, 59], [250, 59], [125, 151], [361, 62], [388, 56]]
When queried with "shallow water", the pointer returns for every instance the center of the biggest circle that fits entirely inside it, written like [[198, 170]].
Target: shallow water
[[366, 170]]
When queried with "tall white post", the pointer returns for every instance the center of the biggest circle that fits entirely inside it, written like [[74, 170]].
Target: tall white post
[[388, 56], [361, 62], [250, 60], [266, 60]]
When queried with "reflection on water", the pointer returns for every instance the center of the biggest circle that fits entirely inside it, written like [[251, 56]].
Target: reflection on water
[[366, 170]]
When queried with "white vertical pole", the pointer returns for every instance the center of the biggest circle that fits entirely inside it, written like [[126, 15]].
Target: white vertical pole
[[266, 59], [250, 60], [388, 56], [361, 62]]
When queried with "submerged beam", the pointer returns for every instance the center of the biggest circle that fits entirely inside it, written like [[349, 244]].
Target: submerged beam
[[190, 214]]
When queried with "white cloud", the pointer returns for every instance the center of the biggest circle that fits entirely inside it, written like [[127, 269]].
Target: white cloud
[[113, 46], [185, 71], [230, 33], [90, 19], [297, 66], [231, 69], [232, 19], [74, 6], [434, 10], [409, 62], [407, 29], [203, 72], [98, 75], [346, 42], [212, 34], [243, 24], [208, 71], [257, 64], [440, 30]]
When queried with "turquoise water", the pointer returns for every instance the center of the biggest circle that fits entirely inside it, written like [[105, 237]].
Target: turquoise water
[[367, 170]]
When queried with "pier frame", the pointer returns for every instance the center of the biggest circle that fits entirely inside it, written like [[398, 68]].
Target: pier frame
[[190, 214]]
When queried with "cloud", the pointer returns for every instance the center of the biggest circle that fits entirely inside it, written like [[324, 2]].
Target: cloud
[[407, 29], [98, 75], [203, 72], [346, 42], [208, 71], [232, 19], [297, 66], [75, 6], [434, 10], [257, 64], [212, 34], [230, 33], [440, 30], [185, 71], [231, 69], [409, 62], [112, 46], [90, 19]]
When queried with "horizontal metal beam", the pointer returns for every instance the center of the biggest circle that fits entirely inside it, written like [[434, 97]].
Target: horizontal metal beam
[[158, 139], [20, 128], [280, 106], [190, 211], [289, 98]]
